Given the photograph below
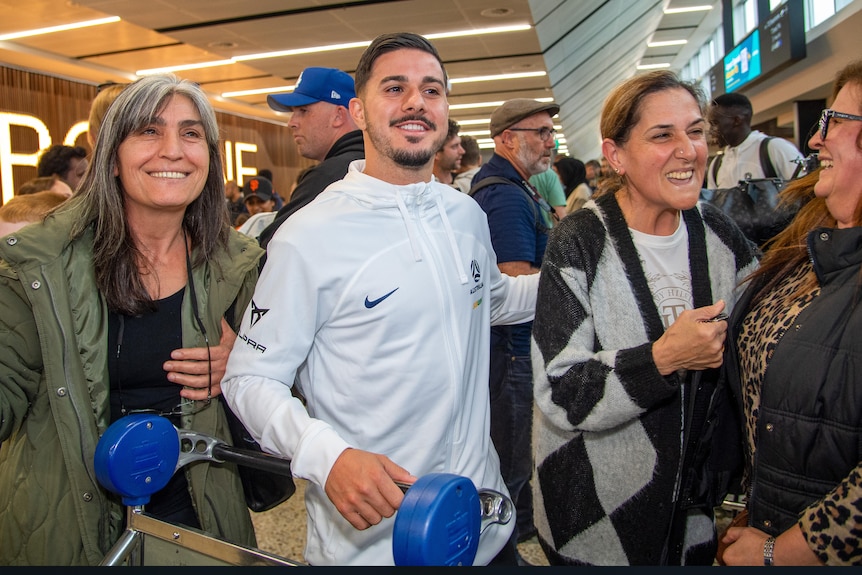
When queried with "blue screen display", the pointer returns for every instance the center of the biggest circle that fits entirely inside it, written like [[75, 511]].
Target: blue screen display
[[742, 65]]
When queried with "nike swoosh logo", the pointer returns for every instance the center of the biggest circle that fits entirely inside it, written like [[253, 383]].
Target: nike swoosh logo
[[371, 304]]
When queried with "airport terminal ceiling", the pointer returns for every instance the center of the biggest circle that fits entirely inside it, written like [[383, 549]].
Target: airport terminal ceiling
[[573, 51]]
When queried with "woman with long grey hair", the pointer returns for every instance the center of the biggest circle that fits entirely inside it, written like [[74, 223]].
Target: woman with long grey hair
[[116, 303]]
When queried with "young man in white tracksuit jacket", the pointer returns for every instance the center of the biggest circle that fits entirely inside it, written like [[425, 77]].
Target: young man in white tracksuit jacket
[[376, 302]]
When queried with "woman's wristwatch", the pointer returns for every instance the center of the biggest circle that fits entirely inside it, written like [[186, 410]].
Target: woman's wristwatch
[[768, 548]]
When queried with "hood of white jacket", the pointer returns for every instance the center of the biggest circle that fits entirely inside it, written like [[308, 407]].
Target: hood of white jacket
[[413, 202]]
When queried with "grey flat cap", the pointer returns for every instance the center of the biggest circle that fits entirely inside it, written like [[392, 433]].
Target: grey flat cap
[[515, 110]]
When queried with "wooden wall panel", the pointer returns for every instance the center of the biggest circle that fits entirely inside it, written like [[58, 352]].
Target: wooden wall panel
[[59, 104]]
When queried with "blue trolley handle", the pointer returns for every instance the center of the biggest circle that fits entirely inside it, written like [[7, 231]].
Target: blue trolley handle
[[496, 507]]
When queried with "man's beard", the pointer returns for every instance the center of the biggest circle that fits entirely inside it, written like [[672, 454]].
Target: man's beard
[[530, 163], [414, 159], [411, 159]]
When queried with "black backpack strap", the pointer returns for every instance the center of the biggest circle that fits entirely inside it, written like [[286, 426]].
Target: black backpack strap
[[540, 202], [489, 181], [765, 160]]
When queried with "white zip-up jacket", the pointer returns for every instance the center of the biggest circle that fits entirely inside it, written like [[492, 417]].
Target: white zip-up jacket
[[377, 300]]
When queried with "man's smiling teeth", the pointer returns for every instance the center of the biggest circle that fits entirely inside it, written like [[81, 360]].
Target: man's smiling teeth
[[413, 127], [826, 164], [169, 175], [681, 175]]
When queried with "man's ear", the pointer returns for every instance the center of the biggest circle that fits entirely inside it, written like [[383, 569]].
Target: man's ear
[[340, 117], [507, 138], [357, 112]]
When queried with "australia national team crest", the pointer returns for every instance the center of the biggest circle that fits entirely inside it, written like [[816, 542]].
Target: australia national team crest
[[476, 273]]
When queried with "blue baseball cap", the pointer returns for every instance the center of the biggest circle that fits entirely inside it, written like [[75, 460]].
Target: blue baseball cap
[[316, 85]]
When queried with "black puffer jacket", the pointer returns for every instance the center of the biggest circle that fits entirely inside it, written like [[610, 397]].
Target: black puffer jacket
[[809, 430], [347, 148]]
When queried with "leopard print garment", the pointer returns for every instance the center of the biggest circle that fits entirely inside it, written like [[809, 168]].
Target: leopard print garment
[[832, 526], [760, 333]]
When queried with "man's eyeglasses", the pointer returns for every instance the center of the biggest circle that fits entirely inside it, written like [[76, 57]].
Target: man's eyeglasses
[[544, 132], [828, 114]]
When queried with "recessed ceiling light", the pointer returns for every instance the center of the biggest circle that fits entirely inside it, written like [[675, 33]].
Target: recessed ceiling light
[[498, 77], [687, 9], [667, 43], [331, 47], [274, 90], [61, 28], [478, 31], [476, 122], [171, 69], [654, 66], [298, 51], [488, 104]]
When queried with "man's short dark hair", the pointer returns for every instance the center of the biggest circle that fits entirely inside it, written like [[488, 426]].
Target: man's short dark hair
[[454, 128], [57, 158], [734, 100], [386, 43], [471, 151]]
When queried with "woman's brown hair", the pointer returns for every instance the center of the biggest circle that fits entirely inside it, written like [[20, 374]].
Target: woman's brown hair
[[622, 111], [789, 249]]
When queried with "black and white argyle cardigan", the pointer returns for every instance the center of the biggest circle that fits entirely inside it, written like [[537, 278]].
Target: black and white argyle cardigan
[[607, 424]]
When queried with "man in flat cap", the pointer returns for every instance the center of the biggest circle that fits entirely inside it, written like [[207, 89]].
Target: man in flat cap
[[323, 131], [523, 133]]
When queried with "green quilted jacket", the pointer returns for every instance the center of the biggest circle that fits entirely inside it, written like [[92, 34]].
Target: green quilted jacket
[[54, 397]]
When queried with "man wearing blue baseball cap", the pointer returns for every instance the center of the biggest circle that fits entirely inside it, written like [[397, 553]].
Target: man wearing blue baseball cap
[[323, 130]]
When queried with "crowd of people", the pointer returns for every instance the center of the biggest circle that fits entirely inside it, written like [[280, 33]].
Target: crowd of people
[[589, 338]]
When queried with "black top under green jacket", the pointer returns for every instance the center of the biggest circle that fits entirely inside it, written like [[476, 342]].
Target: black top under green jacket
[[54, 397]]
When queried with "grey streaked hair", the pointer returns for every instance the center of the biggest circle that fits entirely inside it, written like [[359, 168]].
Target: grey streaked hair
[[100, 196]]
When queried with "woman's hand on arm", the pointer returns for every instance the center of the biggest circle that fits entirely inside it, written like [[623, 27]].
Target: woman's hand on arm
[[189, 367], [692, 341]]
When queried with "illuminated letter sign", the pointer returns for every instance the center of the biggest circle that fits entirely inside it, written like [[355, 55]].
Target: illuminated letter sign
[[8, 158]]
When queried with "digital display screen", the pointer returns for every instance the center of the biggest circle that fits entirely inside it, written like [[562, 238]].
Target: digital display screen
[[742, 65], [783, 37], [774, 45], [715, 77]]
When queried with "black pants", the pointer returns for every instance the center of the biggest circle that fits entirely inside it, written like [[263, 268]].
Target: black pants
[[508, 555]]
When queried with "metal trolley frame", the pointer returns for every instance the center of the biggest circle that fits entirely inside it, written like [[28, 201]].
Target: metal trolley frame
[[149, 542], [439, 522]]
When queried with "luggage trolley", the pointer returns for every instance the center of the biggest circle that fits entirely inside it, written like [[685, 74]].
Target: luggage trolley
[[439, 522]]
